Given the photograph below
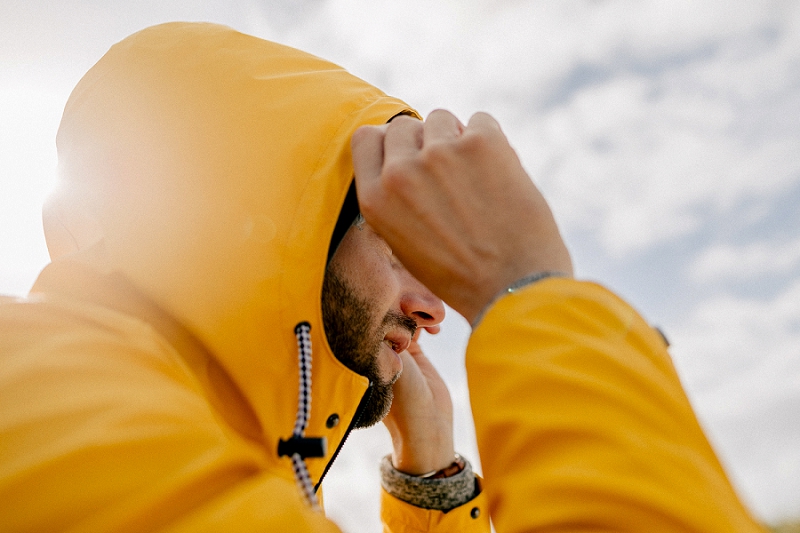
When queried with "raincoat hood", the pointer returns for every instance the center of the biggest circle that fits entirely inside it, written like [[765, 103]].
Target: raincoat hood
[[209, 168]]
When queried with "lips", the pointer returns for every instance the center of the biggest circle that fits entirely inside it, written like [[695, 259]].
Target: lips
[[398, 340]]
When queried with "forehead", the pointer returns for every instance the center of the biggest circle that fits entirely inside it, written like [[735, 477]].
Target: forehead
[[363, 237]]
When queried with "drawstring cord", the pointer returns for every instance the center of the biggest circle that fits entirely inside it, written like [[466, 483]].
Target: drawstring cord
[[302, 331], [298, 447]]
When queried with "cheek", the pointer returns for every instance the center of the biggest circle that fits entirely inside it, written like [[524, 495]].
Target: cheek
[[379, 284], [368, 269]]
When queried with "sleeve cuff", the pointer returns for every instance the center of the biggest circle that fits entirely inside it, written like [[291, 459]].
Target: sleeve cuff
[[441, 494]]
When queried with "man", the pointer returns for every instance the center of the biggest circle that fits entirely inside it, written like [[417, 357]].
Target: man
[[145, 381], [216, 318]]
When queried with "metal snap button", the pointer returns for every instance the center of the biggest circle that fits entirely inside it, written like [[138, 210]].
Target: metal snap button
[[332, 421]]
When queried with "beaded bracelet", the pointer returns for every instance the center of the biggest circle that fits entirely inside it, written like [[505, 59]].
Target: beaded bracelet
[[517, 285]]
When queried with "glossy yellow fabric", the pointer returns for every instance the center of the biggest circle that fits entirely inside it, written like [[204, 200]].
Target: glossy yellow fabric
[[400, 517], [582, 423], [147, 379]]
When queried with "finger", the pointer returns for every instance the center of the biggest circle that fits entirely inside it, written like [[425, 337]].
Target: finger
[[367, 148], [483, 122], [425, 366], [433, 330], [403, 138], [414, 348], [442, 125]]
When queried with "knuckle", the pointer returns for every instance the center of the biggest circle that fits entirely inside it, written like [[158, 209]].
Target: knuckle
[[439, 112], [360, 135]]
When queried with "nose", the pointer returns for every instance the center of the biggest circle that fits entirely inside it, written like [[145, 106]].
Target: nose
[[419, 303]]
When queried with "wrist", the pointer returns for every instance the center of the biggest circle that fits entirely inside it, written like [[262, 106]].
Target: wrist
[[422, 460], [451, 470], [480, 291], [519, 284], [415, 466], [430, 493]]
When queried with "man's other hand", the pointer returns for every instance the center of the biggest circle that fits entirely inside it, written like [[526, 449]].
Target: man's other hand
[[421, 419], [456, 206]]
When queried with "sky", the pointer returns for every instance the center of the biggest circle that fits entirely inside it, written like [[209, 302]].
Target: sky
[[666, 136]]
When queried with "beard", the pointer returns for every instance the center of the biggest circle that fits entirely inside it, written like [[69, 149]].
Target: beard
[[348, 321]]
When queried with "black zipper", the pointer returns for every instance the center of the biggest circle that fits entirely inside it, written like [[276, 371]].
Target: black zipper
[[356, 418]]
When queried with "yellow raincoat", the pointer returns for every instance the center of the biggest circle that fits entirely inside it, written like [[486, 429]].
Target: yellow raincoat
[[147, 380]]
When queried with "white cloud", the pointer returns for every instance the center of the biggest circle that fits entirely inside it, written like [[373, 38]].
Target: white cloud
[[725, 334], [642, 120], [734, 263]]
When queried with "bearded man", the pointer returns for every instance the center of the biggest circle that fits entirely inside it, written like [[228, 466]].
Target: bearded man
[[217, 317]]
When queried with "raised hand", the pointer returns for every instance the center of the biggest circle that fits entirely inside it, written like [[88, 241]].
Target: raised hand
[[456, 206], [421, 419]]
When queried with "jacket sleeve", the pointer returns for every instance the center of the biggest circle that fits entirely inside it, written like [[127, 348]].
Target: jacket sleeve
[[401, 517], [582, 423]]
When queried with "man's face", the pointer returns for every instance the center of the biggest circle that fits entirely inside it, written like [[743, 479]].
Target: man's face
[[371, 309]]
